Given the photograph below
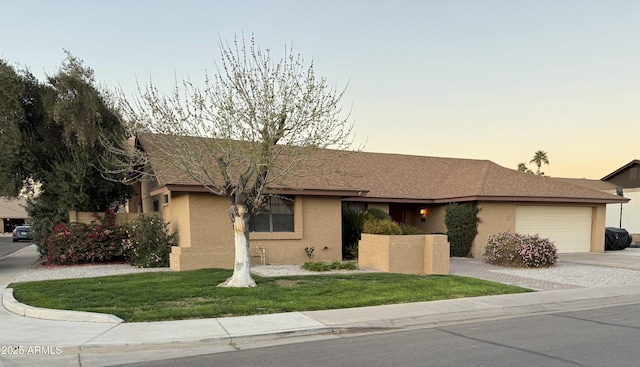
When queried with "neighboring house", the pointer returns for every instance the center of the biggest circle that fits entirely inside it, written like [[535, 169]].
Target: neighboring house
[[627, 178], [12, 213], [412, 189]]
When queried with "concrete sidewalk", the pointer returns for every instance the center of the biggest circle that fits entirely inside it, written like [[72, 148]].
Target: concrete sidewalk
[[90, 341]]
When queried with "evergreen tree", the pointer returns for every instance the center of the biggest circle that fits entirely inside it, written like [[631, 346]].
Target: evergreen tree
[[50, 142]]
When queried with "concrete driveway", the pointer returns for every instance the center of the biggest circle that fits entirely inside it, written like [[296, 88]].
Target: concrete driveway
[[628, 258]]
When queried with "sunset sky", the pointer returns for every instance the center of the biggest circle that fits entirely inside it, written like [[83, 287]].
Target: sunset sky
[[494, 80]]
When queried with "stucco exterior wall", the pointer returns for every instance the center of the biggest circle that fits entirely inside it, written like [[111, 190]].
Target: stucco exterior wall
[[205, 234], [598, 222], [146, 199], [630, 213], [501, 217], [498, 217], [134, 204], [494, 218], [179, 218], [434, 222], [318, 224]]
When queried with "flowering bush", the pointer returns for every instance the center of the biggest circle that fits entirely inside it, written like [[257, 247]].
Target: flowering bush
[[144, 242], [147, 242], [79, 243], [513, 249]]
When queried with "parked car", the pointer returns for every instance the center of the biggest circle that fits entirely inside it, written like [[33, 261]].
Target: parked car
[[22, 233]]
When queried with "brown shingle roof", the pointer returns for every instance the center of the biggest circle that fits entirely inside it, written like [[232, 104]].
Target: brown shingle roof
[[592, 184], [396, 177], [635, 161]]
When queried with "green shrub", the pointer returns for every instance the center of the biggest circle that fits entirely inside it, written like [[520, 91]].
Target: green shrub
[[462, 227], [375, 213], [336, 265], [518, 250], [410, 230], [148, 242], [352, 223], [381, 226], [352, 250], [316, 266], [43, 219], [344, 265]]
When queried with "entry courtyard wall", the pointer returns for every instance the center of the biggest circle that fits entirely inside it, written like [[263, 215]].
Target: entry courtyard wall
[[413, 254]]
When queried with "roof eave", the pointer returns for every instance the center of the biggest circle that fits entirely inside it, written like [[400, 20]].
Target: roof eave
[[281, 191], [387, 200], [539, 199], [488, 198]]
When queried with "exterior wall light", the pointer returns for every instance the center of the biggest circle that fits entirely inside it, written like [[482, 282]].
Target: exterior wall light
[[423, 214]]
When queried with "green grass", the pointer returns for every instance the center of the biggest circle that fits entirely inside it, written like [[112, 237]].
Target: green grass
[[193, 294]]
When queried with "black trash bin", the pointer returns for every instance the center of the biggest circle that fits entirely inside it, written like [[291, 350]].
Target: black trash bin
[[616, 239]]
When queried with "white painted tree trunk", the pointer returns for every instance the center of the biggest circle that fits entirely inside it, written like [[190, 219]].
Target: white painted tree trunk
[[242, 268]]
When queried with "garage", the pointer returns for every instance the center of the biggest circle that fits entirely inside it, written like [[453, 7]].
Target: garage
[[569, 227]]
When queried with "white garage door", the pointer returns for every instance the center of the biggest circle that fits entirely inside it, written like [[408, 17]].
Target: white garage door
[[568, 227]]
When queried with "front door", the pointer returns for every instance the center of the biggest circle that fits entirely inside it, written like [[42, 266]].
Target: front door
[[397, 213]]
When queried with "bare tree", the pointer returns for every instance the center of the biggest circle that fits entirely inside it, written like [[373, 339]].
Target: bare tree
[[262, 119]]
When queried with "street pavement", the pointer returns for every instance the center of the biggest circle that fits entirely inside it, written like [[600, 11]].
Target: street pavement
[[76, 338]]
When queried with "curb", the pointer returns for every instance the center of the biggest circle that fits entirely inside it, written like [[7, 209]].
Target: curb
[[177, 344], [10, 303]]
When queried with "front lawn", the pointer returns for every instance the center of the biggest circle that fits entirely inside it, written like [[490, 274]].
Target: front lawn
[[194, 295]]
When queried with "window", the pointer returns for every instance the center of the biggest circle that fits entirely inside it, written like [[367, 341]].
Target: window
[[276, 216], [165, 200], [156, 206]]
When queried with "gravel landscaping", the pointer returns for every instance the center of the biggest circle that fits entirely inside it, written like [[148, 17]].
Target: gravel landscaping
[[80, 271], [588, 276], [86, 271]]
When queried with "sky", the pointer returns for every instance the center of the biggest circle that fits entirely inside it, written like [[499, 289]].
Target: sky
[[479, 79]]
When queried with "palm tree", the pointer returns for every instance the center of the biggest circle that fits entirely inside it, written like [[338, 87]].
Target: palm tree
[[539, 158], [522, 167]]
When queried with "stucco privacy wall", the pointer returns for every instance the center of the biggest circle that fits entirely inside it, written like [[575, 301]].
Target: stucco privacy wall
[[501, 217], [416, 254], [88, 217], [205, 235]]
